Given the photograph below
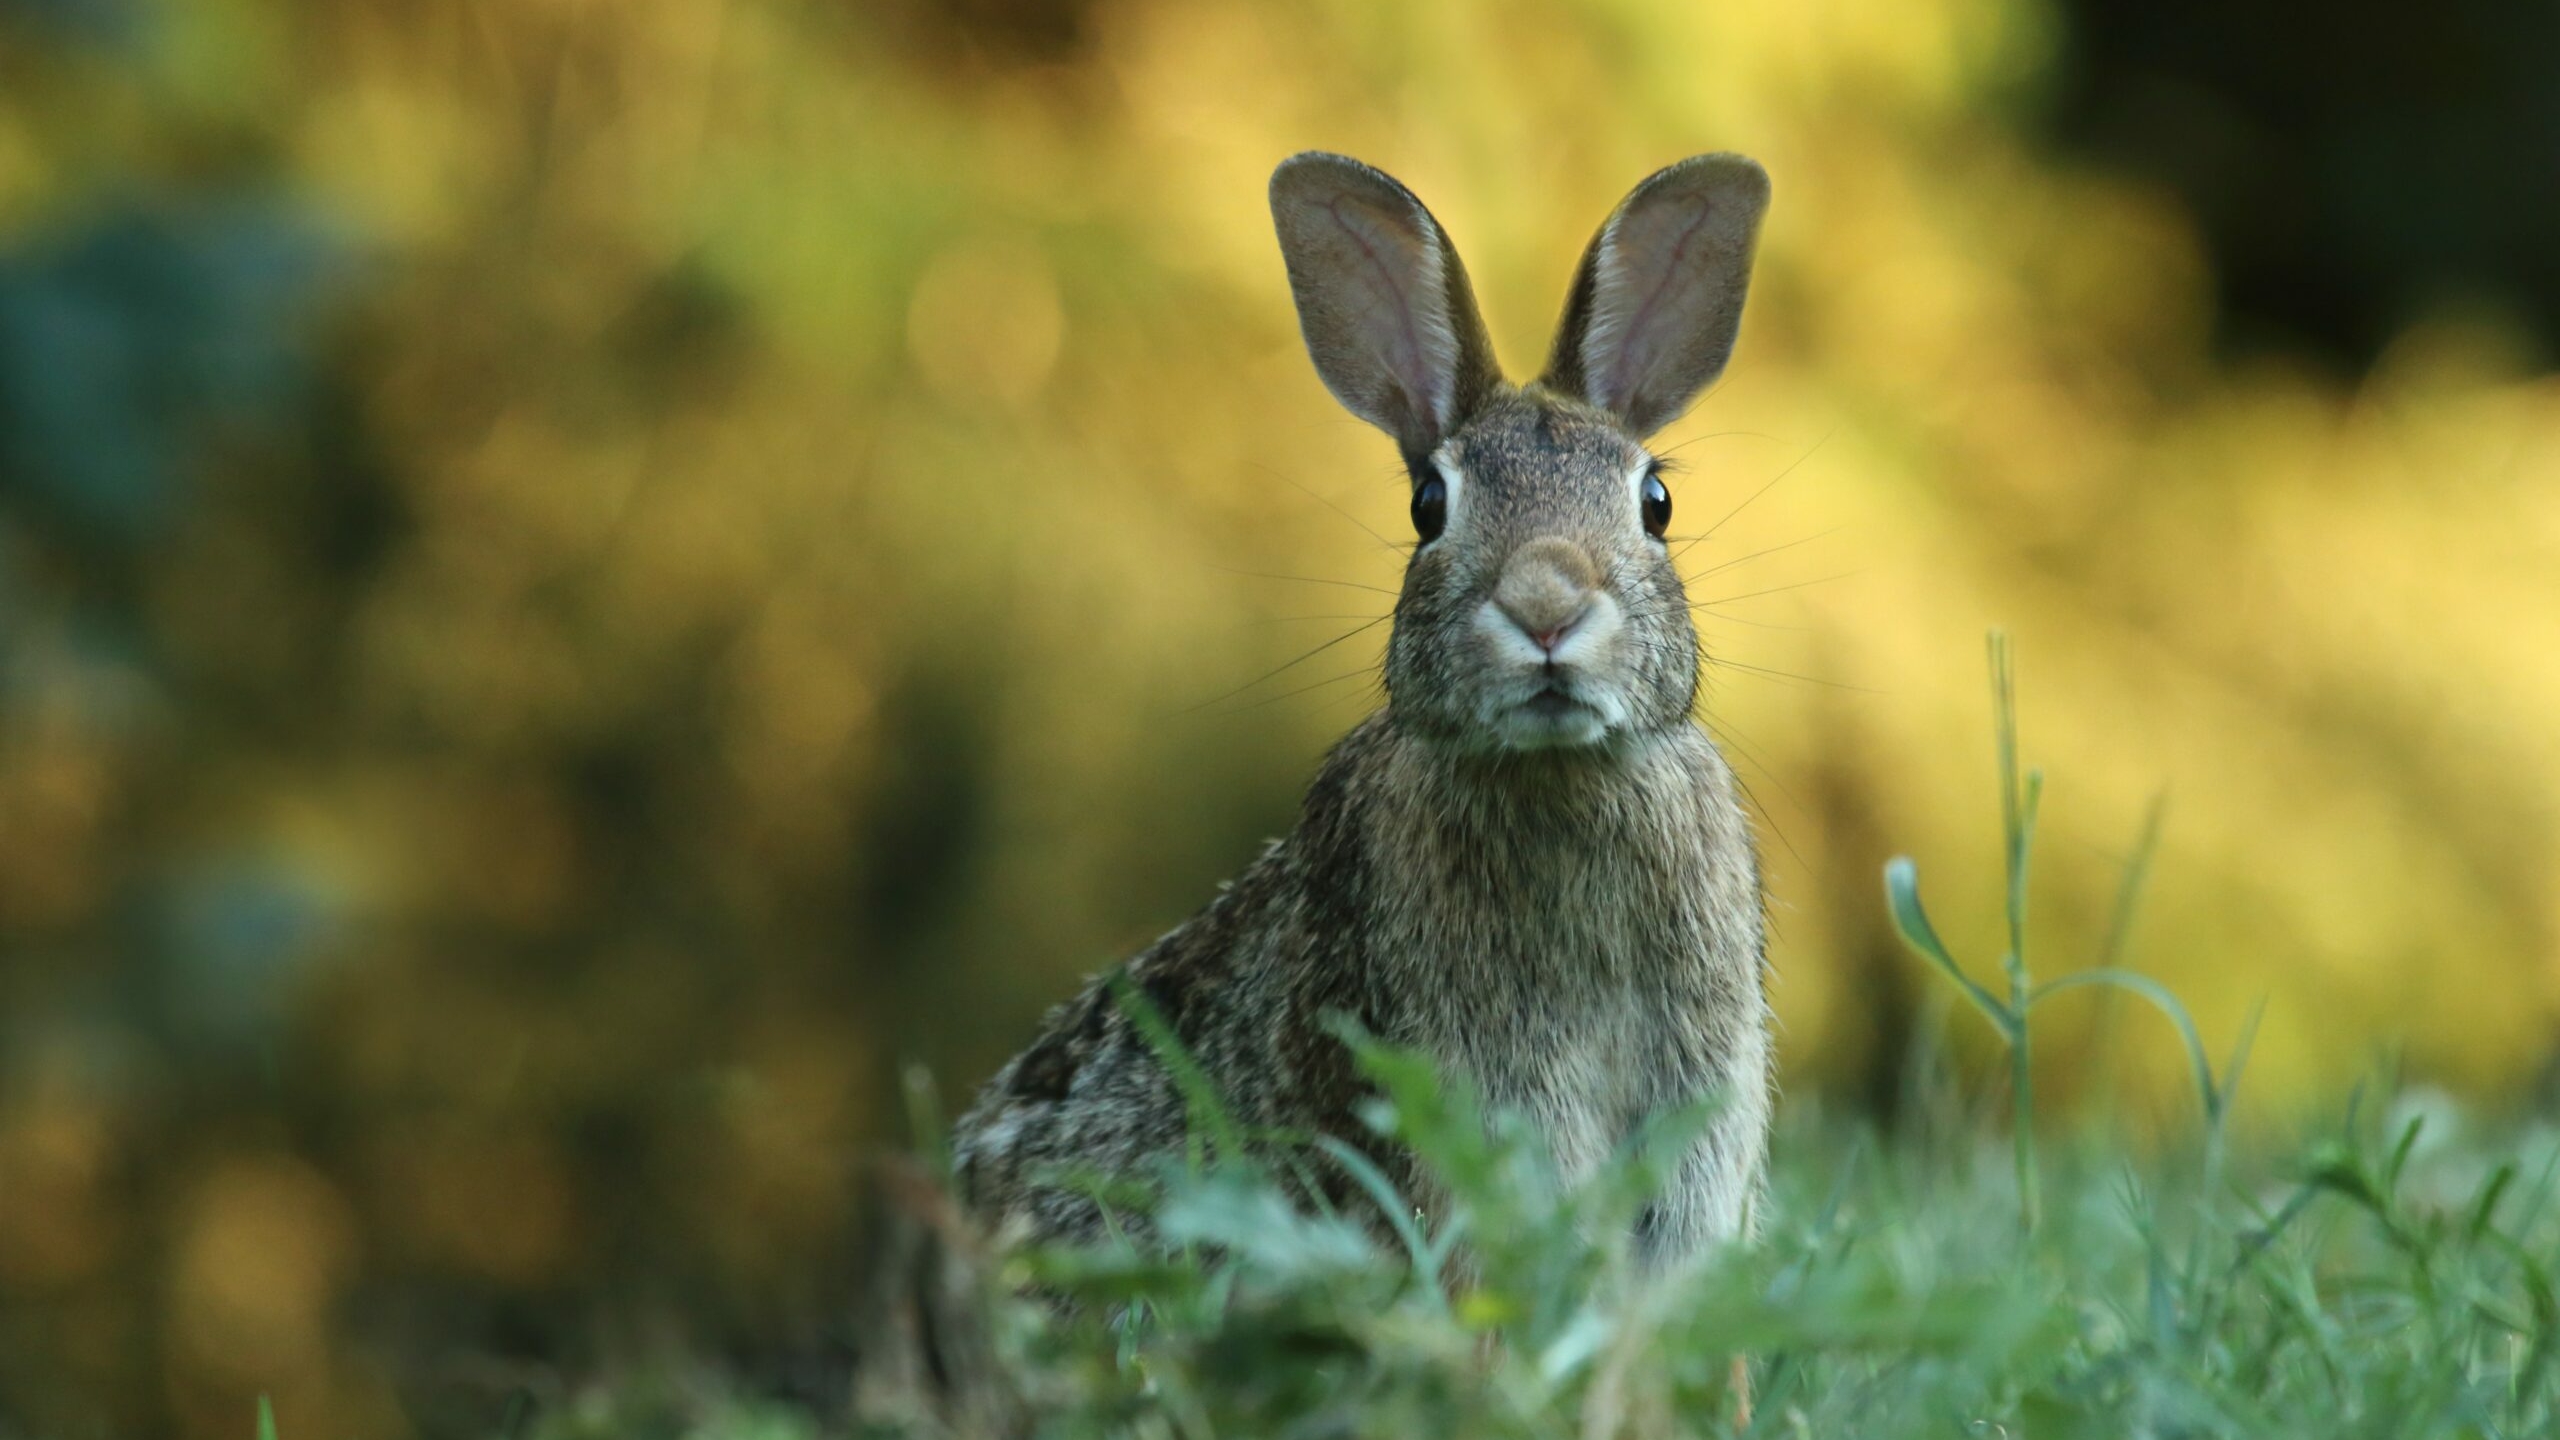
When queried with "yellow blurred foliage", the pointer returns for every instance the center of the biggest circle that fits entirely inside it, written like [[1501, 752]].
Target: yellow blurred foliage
[[838, 471]]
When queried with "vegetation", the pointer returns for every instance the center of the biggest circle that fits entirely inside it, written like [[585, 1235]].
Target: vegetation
[[2390, 1280], [2389, 1276]]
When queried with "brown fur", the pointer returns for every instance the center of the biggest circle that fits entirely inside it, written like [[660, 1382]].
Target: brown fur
[[1531, 864]]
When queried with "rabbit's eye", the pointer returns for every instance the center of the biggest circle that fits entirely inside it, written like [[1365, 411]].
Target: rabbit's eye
[[1430, 509], [1657, 506]]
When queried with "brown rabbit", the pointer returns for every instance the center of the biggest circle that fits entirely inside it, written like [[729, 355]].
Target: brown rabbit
[[1531, 864]]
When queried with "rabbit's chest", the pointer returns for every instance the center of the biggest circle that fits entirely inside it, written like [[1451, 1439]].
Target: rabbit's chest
[[1587, 1063], [1583, 988], [1587, 951]]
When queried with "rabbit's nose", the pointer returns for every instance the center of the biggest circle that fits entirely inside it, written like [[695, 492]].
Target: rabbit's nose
[[1546, 589]]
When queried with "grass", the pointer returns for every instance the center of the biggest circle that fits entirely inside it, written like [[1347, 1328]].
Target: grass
[[2388, 1276]]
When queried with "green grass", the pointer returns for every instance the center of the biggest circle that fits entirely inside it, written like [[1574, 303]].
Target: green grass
[[2387, 1276]]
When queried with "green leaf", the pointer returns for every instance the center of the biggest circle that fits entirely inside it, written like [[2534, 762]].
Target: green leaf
[[1365, 1173], [1253, 1222], [1902, 898]]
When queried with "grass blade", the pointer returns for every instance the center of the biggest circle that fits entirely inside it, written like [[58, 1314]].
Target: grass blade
[[1902, 898], [2162, 999]]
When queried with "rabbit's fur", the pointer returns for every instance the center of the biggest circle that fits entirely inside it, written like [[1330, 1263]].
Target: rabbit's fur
[[1531, 864]]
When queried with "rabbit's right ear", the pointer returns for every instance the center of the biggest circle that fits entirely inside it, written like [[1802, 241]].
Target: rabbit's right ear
[[1657, 301], [1383, 302]]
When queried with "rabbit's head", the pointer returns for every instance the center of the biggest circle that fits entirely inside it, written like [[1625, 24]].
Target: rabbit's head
[[1541, 609]]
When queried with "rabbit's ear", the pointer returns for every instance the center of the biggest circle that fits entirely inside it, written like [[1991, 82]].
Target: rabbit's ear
[[1654, 307], [1382, 299]]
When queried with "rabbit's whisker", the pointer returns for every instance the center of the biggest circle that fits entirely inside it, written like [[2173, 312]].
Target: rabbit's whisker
[[1371, 694], [1789, 675], [1772, 590], [1309, 491], [1709, 605], [1758, 756], [1766, 488], [1293, 694], [1291, 665], [1675, 651], [1747, 620], [1722, 566], [1306, 580]]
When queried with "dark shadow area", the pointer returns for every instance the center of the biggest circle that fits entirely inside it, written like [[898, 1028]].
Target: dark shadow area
[[2350, 165]]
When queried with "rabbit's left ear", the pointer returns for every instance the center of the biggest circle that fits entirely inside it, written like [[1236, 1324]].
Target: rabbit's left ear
[[1389, 318], [1653, 311]]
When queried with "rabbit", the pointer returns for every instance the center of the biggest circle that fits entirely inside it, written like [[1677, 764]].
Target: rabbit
[[1531, 864]]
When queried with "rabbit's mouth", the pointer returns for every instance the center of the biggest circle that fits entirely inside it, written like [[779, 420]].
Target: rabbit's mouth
[[1552, 703], [1552, 717]]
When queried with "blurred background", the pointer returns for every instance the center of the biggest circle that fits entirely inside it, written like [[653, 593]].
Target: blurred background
[[581, 581]]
